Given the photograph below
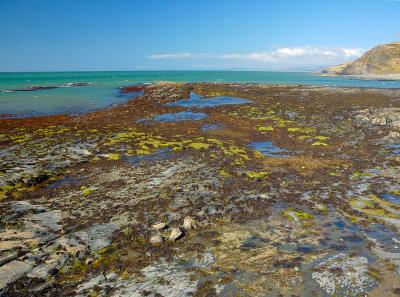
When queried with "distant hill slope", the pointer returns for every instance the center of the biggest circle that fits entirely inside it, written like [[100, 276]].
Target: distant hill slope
[[381, 60]]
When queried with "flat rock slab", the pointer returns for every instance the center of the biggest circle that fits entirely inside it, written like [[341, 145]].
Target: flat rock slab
[[26, 206], [44, 222], [97, 236], [13, 271]]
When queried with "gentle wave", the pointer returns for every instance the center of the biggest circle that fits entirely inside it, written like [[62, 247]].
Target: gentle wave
[[38, 88]]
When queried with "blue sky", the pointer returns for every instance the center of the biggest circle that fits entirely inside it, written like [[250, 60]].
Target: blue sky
[[64, 35]]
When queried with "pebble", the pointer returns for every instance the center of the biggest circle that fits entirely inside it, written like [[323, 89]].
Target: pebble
[[159, 226], [156, 239], [89, 261], [176, 233], [189, 223]]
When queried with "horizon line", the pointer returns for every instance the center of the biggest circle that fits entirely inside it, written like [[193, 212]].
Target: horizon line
[[165, 70]]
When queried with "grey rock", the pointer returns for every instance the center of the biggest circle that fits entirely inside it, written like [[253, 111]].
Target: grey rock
[[97, 236], [44, 222], [26, 206], [12, 271]]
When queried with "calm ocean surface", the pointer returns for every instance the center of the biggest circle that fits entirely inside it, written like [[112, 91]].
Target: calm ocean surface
[[103, 88]]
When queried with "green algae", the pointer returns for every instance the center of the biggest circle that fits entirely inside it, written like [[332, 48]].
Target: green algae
[[375, 208], [51, 131], [138, 143], [302, 130], [362, 174], [319, 143], [86, 191], [4, 190], [199, 145], [298, 216], [332, 173], [223, 173], [305, 137], [264, 128], [395, 192], [256, 174], [113, 156], [321, 138]]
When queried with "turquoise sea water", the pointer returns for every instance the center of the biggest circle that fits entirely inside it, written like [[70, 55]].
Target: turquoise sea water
[[103, 89]]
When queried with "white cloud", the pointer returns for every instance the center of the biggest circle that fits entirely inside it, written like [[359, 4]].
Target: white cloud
[[353, 52], [290, 52], [176, 56], [285, 56]]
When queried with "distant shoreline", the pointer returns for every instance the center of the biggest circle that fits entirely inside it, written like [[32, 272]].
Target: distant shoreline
[[378, 77]]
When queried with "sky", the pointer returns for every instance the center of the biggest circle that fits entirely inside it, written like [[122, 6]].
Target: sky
[[277, 35]]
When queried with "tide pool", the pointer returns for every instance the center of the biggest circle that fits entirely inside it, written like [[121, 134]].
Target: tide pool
[[201, 102], [176, 117], [267, 148]]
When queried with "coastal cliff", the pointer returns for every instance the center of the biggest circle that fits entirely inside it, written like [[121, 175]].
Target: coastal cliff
[[381, 60]]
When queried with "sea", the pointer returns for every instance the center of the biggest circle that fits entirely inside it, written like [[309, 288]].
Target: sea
[[25, 94]]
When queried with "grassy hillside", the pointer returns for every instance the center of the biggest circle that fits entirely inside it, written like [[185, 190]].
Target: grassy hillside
[[383, 59]]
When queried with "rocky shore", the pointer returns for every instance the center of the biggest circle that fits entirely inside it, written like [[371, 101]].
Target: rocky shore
[[293, 191]]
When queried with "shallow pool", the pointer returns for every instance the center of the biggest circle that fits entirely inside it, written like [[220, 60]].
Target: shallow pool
[[201, 102], [269, 149]]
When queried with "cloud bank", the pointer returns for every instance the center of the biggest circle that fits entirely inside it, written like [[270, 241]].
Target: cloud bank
[[306, 56]]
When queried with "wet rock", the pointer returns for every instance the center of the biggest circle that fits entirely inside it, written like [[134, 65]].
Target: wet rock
[[7, 257], [134, 88], [388, 256], [388, 117], [91, 283], [44, 222], [176, 233], [345, 275], [161, 279], [71, 245], [41, 271], [13, 271], [26, 206]]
